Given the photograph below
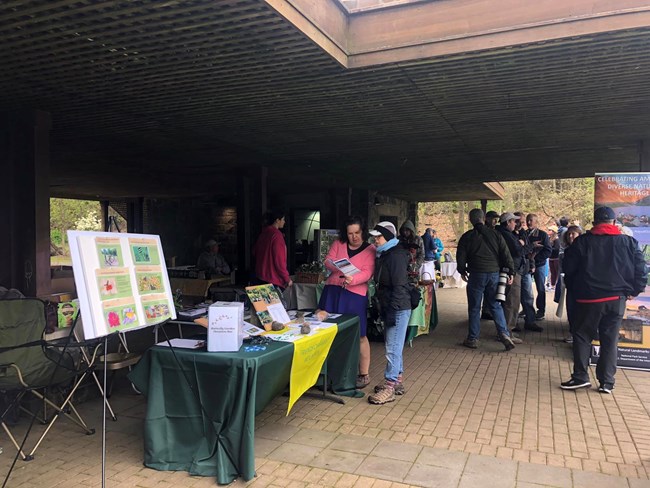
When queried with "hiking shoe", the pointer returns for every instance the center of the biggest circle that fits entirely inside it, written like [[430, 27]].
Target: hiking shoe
[[605, 388], [573, 384], [363, 380], [398, 387], [533, 327], [539, 315], [507, 342], [471, 343], [384, 395], [569, 340]]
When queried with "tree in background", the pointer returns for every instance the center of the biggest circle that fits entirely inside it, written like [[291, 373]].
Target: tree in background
[[66, 214], [549, 199]]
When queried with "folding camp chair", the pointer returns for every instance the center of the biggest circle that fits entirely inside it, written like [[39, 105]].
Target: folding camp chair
[[29, 364]]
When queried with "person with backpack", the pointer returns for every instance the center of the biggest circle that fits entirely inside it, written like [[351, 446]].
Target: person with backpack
[[394, 299]]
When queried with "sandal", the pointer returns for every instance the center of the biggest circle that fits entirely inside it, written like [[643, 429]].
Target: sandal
[[363, 380]]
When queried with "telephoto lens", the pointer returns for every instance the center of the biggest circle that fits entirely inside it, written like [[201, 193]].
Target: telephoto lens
[[502, 287]]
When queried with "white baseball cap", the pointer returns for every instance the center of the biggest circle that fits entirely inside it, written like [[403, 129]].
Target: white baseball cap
[[386, 229]]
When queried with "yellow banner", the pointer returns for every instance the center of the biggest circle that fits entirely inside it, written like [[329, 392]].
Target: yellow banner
[[308, 357]]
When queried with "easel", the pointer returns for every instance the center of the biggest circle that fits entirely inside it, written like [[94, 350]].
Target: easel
[[112, 222]]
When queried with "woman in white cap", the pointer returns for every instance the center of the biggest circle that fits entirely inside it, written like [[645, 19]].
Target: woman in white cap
[[391, 278]]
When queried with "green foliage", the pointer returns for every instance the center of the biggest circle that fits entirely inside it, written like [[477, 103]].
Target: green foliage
[[66, 214], [549, 199]]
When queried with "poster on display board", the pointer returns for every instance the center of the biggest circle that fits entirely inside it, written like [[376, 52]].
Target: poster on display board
[[628, 194], [121, 281]]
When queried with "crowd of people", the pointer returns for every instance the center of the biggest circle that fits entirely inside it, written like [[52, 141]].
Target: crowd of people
[[600, 270]]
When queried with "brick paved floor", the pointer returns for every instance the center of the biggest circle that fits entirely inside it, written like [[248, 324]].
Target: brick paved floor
[[469, 418]]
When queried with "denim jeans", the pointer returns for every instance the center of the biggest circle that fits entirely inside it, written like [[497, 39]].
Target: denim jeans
[[540, 284], [484, 286], [527, 298], [397, 322]]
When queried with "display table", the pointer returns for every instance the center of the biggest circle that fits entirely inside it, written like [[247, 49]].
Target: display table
[[303, 296], [209, 430], [425, 317], [195, 287], [450, 275]]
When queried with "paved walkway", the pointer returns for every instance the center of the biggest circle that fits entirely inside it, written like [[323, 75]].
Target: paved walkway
[[469, 418]]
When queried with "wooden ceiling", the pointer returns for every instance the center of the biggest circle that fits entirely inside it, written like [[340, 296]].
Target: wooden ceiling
[[155, 98]]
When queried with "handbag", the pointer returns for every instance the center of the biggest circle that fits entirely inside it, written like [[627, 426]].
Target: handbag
[[424, 282], [416, 296]]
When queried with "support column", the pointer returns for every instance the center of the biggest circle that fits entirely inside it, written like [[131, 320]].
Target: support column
[[252, 204], [644, 156], [484, 206], [25, 209], [135, 216]]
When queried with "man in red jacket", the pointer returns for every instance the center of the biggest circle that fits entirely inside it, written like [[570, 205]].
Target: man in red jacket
[[602, 268], [270, 253]]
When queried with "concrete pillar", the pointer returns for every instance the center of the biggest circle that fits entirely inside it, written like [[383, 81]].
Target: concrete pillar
[[25, 208]]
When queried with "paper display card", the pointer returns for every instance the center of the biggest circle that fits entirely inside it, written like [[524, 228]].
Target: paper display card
[[267, 304], [120, 281], [225, 324], [183, 343], [346, 267]]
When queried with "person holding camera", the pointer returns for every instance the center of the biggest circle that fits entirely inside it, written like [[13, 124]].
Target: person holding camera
[[484, 261]]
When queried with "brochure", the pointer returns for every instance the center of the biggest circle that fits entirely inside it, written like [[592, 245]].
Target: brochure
[[346, 267]]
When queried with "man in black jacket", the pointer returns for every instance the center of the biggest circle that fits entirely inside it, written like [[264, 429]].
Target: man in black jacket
[[506, 228], [541, 252], [602, 268], [483, 253]]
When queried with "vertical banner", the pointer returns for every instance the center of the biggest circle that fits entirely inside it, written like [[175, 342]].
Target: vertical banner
[[628, 194]]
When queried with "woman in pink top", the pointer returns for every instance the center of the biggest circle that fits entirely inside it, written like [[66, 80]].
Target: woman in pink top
[[349, 293]]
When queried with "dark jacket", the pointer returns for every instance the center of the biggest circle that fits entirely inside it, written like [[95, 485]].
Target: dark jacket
[[604, 263], [391, 277], [515, 248], [478, 249], [541, 254], [429, 247]]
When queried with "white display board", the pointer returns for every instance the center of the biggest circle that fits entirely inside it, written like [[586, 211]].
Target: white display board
[[121, 281]]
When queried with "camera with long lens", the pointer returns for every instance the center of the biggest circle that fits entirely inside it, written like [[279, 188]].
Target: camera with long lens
[[502, 287]]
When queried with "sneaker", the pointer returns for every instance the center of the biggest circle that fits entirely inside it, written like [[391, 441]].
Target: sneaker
[[363, 380], [384, 395], [398, 387], [471, 343], [573, 384], [521, 314], [605, 388], [539, 316], [533, 327], [516, 328], [516, 340], [569, 340], [507, 342]]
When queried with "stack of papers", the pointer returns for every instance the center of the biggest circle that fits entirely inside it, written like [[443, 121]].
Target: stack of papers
[[193, 312], [183, 343]]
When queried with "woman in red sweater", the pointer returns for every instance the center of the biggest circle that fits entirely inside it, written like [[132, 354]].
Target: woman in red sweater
[[349, 293], [270, 253]]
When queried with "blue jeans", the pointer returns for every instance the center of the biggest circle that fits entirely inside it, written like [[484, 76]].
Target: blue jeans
[[396, 323], [484, 286], [540, 284], [527, 298]]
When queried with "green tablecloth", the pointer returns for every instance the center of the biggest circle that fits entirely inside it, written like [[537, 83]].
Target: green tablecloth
[[209, 429]]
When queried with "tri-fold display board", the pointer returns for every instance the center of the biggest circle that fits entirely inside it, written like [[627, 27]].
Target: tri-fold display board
[[121, 281]]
